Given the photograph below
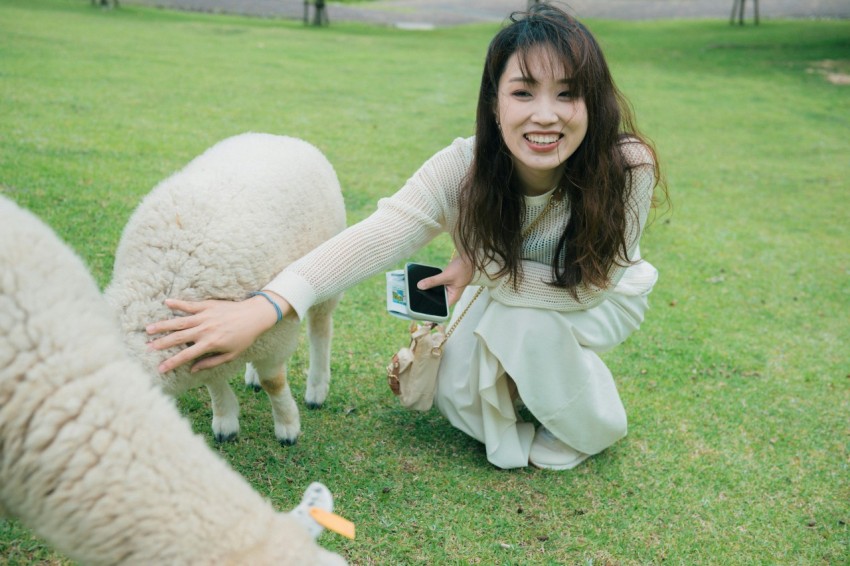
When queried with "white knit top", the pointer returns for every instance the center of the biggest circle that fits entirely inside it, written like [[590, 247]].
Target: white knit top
[[426, 206]]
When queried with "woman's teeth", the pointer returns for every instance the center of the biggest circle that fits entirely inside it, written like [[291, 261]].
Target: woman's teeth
[[542, 140]]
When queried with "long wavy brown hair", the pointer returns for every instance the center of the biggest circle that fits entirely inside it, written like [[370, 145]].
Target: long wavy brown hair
[[596, 179]]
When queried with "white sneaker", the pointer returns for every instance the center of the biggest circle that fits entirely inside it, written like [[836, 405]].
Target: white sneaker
[[549, 453]]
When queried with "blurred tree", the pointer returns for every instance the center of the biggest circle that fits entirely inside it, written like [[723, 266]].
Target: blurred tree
[[320, 15], [738, 6]]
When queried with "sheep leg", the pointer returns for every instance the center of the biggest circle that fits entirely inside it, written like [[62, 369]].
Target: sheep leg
[[320, 334], [225, 408], [287, 422], [252, 378]]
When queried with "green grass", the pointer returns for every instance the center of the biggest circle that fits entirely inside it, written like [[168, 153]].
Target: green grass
[[737, 386]]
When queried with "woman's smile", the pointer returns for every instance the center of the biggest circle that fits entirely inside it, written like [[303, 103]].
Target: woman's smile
[[543, 142]]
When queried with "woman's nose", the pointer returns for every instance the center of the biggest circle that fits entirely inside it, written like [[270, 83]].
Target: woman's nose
[[544, 112]]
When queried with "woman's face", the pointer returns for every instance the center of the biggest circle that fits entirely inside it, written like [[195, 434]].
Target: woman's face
[[542, 122]]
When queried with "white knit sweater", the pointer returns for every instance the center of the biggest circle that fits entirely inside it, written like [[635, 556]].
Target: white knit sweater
[[426, 206]]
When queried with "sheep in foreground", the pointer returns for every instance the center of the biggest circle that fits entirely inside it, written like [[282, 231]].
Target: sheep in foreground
[[93, 456], [221, 228]]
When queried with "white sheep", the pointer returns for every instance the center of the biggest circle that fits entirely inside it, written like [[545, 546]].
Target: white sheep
[[93, 456], [223, 227]]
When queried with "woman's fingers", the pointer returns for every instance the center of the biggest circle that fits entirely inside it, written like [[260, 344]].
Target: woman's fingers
[[190, 307], [454, 294], [456, 276], [173, 339], [210, 351], [178, 322], [184, 356], [178, 331], [202, 343], [433, 281], [212, 361], [453, 290]]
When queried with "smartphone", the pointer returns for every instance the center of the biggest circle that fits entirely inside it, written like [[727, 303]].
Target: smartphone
[[433, 304]]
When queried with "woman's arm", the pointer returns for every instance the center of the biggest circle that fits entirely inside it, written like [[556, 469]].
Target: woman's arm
[[423, 208], [218, 331]]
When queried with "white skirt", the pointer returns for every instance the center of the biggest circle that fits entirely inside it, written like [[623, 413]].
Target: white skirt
[[553, 359]]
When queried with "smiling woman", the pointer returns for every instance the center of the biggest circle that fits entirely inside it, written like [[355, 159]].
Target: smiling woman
[[546, 205]]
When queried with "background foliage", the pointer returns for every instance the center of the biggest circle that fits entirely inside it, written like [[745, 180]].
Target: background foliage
[[737, 387]]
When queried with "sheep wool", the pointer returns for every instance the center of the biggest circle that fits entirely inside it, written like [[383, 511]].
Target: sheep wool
[[220, 228], [93, 456]]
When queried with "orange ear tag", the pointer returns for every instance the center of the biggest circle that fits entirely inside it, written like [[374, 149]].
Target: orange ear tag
[[333, 522]]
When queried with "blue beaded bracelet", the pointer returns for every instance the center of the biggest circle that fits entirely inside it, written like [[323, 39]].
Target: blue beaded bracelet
[[269, 299]]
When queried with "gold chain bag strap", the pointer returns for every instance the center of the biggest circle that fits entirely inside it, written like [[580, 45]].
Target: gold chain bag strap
[[412, 372]]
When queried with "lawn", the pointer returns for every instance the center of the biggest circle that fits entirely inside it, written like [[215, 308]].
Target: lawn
[[737, 387]]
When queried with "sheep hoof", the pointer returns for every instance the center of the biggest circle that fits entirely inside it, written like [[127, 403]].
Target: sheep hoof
[[256, 387], [220, 438], [287, 441], [315, 395]]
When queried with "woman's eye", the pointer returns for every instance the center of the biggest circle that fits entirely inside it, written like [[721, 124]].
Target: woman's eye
[[521, 93], [566, 94]]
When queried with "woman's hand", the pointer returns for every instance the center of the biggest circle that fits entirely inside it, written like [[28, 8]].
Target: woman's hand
[[456, 276], [218, 330]]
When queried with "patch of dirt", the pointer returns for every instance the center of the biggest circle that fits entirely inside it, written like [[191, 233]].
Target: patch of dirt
[[835, 71]]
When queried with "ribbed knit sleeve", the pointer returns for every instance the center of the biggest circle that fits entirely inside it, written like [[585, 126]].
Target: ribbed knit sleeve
[[533, 290], [423, 208]]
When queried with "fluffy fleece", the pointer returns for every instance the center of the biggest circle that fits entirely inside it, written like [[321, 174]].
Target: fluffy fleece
[[93, 456], [221, 228]]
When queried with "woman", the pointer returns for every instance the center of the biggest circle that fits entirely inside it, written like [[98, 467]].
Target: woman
[[546, 205]]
